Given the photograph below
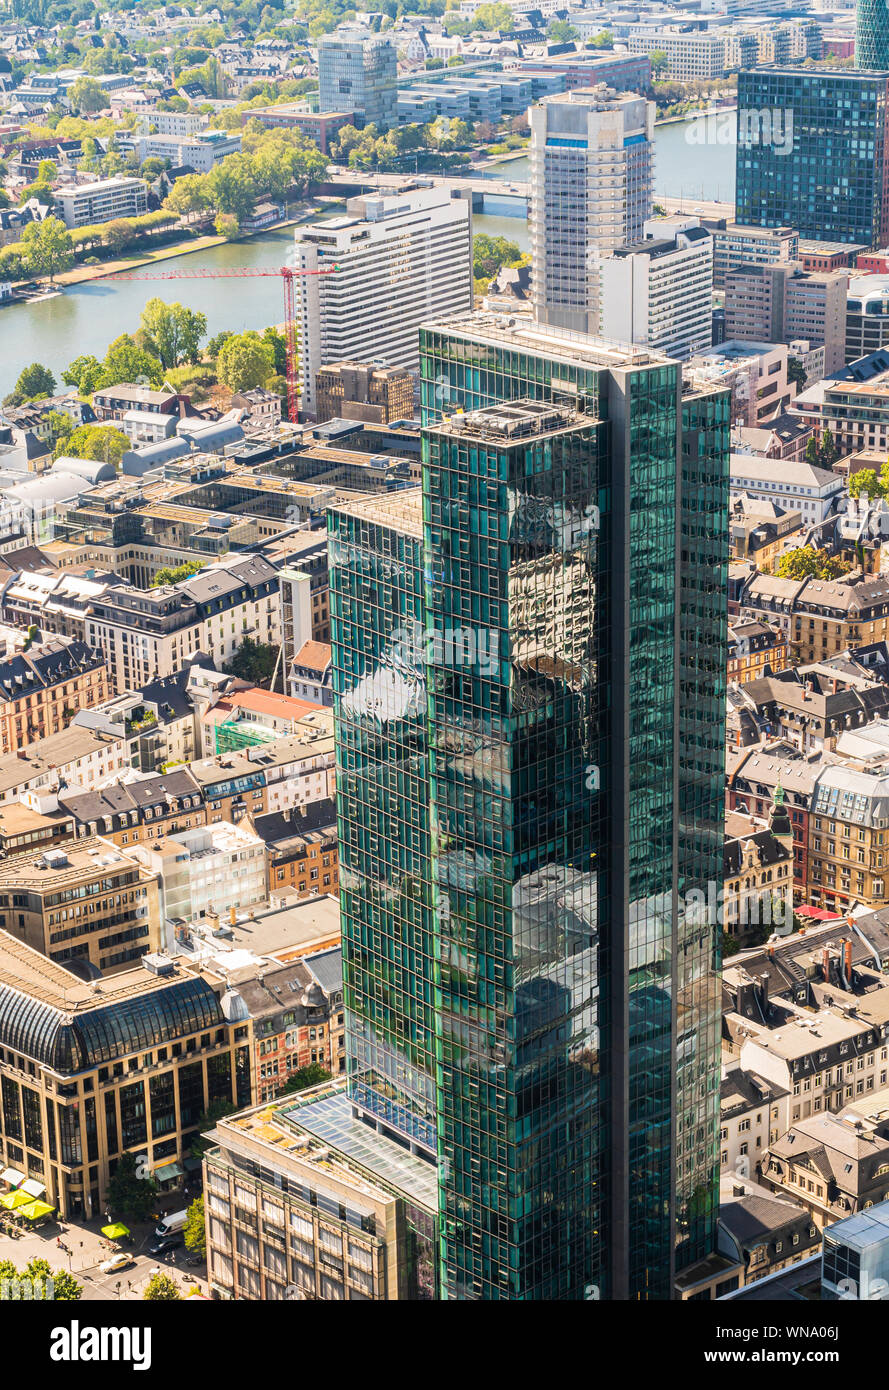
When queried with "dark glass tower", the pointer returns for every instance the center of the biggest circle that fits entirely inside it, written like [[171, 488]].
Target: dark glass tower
[[527, 1000], [812, 150], [871, 34]]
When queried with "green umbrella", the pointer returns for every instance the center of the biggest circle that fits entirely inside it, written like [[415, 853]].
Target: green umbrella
[[12, 1200], [116, 1232], [34, 1210]]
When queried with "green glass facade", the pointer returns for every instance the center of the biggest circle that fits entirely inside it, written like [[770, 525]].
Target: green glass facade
[[556, 1048], [811, 154]]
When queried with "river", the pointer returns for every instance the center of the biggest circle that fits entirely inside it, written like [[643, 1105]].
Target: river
[[691, 161]]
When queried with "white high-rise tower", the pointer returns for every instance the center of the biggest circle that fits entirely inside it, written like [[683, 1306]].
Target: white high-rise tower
[[591, 184]]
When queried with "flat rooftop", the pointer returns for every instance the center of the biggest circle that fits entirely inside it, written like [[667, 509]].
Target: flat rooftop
[[400, 511], [542, 339], [330, 1119], [34, 974], [74, 862]]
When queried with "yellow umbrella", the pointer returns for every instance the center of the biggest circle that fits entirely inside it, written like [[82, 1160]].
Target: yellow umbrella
[[12, 1200], [116, 1232], [35, 1209]]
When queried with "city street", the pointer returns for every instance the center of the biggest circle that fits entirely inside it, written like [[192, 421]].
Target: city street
[[87, 1250]]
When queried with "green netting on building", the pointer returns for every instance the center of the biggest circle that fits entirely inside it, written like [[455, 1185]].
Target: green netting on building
[[234, 734]]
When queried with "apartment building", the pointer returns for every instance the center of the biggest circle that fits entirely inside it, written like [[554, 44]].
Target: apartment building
[[301, 849], [298, 1020], [659, 292], [77, 755], [760, 531], [779, 303], [757, 884], [753, 1112], [736, 247], [849, 838], [394, 261], [42, 688], [590, 193], [136, 811], [115, 402], [833, 1168], [151, 633], [753, 776], [86, 204], [84, 903], [753, 648]]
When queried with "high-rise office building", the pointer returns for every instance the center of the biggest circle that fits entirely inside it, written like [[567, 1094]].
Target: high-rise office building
[[528, 682], [812, 153], [872, 34], [399, 260], [782, 303], [658, 293], [357, 72], [591, 183]]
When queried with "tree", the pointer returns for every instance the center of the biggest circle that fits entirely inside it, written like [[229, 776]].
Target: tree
[[86, 96], [61, 426], [231, 187], [560, 31], [102, 443], [226, 225], [34, 382], [828, 451], [796, 372], [808, 563], [659, 62], [245, 361], [253, 661], [172, 333], [313, 1074], [215, 344], [48, 248], [603, 40], [162, 1289], [490, 253], [130, 1194], [84, 373], [865, 480], [172, 574], [126, 361], [278, 343], [189, 196], [37, 1272], [195, 1233], [118, 234]]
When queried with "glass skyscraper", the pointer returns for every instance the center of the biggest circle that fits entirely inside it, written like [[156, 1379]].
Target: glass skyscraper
[[812, 153], [872, 34], [528, 667]]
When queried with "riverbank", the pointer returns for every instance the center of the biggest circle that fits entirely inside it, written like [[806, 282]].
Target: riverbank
[[81, 274]]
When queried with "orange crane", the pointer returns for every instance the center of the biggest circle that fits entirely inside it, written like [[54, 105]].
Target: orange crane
[[287, 274]]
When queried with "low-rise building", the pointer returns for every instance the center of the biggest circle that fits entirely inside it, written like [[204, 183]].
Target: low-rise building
[[86, 204], [755, 649], [301, 848], [833, 1168], [85, 904]]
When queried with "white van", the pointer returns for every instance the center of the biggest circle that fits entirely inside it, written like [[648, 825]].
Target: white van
[[172, 1223]]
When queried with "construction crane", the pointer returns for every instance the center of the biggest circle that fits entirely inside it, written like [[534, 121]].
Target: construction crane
[[286, 273]]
